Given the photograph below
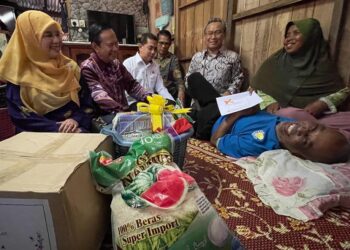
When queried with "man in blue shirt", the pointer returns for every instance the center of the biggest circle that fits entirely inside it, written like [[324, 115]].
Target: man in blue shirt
[[251, 132]]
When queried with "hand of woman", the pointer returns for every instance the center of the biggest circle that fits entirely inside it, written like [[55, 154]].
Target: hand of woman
[[78, 130], [68, 126], [273, 108], [316, 108]]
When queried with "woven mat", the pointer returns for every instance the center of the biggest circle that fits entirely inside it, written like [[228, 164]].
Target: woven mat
[[256, 225]]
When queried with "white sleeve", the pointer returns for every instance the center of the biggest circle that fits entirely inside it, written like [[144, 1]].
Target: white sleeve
[[128, 64]]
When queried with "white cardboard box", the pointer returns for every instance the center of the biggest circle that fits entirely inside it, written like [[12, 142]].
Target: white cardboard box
[[47, 197]]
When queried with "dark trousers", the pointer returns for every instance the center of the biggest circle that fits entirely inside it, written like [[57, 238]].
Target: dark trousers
[[207, 114]]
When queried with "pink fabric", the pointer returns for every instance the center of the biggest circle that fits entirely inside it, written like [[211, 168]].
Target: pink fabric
[[340, 120], [287, 186], [313, 209], [295, 113]]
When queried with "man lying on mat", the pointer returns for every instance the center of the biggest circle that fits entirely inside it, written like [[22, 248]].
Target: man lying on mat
[[251, 132]]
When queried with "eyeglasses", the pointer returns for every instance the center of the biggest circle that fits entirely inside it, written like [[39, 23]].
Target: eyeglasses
[[214, 33]]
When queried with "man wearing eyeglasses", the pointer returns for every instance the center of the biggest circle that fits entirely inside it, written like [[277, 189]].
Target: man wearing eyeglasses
[[216, 71], [169, 67], [219, 66]]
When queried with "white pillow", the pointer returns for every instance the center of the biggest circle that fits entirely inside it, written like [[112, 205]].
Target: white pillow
[[295, 187]]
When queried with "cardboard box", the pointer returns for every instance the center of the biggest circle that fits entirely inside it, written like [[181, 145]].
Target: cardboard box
[[47, 196]]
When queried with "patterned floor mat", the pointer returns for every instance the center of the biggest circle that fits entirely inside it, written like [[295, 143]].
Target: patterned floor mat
[[257, 226]]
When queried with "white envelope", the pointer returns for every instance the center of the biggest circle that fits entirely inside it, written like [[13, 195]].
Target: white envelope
[[232, 103]]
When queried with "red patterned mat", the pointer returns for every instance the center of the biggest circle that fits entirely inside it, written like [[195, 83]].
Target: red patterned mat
[[256, 225]]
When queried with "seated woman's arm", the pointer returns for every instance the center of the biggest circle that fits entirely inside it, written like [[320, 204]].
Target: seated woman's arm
[[84, 113], [335, 99], [269, 103], [83, 119], [327, 104], [267, 100], [26, 120]]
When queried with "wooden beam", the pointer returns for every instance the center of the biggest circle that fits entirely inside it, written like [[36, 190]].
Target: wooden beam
[[334, 34], [265, 8], [177, 28], [189, 4], [229, 22]]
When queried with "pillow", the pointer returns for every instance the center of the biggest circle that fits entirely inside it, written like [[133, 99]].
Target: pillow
[[298, 188]]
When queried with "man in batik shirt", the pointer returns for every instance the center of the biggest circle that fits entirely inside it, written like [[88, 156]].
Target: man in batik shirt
[[106, 76], [219, 66], [169, 67], [215, 72]]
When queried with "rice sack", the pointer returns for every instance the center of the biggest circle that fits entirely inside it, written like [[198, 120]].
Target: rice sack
[[160, 207]]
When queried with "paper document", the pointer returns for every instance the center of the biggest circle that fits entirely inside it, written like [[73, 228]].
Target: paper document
[[232, 103]]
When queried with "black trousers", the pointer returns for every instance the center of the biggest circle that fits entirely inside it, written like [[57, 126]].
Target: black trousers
[[207, 114]]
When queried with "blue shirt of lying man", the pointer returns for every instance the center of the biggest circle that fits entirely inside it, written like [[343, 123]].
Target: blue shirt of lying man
[[251, 132]]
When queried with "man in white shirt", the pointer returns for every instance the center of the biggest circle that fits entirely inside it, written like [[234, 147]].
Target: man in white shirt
[[142, 67]]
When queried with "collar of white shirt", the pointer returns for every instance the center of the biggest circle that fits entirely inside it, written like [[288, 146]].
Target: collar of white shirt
[[139, 60]]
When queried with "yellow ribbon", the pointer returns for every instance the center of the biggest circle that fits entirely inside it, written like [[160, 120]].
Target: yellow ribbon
[[156, 107]]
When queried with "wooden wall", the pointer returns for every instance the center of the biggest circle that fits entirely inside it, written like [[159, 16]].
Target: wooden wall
[[344, 48], [191, 16], [154, 13]]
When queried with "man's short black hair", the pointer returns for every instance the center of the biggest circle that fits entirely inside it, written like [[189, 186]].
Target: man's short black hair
[[164, 33], [146, 36], [95, 30]]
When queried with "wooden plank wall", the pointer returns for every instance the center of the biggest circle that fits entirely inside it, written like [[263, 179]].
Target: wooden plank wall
[[191, 17], [257, 37], [156, 12], [344, 48]]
